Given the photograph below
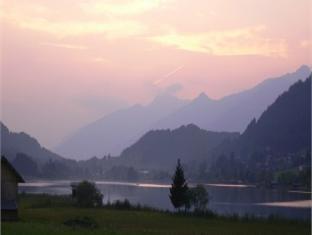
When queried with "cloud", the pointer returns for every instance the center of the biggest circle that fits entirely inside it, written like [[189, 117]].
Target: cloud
[[306, 43], [67, 46], [167, 75], [82, 18], [115, 29], [116, 19], [125, 8], [173, 71], [40, 18], [242, 41], [100, 60]]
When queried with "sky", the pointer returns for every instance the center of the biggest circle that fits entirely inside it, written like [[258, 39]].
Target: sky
[[65, 63]]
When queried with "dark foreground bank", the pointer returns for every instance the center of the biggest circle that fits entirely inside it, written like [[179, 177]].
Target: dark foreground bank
[[45, 214]]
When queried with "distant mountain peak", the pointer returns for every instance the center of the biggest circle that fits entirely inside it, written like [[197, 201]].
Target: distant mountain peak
[[304, 69], [202, 97], [203, 94], [136, 106]]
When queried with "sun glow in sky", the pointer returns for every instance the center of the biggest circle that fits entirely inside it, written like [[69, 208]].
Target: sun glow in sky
[[67, 63]]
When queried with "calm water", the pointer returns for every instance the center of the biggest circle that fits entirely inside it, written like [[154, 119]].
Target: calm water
[[225, 199]]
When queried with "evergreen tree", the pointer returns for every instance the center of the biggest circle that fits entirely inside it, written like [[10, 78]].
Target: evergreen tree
[[179, 189]]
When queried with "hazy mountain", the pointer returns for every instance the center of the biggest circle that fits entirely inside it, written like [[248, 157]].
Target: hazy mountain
[[161, 148], [233, 112], [34, 161], [114, 132], [275, 148], [13, 143], [285, 127]]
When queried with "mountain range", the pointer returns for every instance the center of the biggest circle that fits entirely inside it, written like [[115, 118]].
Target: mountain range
[[160, 149], [283, 128], [279, 140], [13, 143], [233, 112], [113, 133]]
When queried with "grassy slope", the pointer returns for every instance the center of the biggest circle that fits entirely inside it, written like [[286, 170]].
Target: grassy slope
[[46, 221]]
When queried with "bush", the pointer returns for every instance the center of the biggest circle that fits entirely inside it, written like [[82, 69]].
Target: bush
[[125, 205], [81, 222], [87, 195], [198, 198]]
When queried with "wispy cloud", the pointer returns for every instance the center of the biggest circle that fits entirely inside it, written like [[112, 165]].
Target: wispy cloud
[[243, 41], [100, 60], [67, 46], [115, 29], [173, 71], [167, 75], [127, 8], [117, 20], [114, 19], [306, 43], [40, 19]]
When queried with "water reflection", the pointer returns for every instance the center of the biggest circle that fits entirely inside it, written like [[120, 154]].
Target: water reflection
[[294, 204], [225, 199]]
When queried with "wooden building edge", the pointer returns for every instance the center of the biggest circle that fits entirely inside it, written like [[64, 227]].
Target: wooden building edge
[[9, 190]]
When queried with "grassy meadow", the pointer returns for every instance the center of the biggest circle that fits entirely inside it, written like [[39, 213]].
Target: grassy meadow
[[47, 215]]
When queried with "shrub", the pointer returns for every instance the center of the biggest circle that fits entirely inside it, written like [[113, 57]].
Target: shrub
[[87, 195], [82, 222], [198, 198]]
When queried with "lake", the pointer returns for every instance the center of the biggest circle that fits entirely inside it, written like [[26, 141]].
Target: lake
[[224, 198]]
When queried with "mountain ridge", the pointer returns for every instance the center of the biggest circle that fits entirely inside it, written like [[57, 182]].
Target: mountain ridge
[[13, 143], [161, 148], [117, 131], [233, 112]]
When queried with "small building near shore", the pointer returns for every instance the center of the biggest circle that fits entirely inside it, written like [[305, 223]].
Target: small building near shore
[[9, 190], [74, 186]]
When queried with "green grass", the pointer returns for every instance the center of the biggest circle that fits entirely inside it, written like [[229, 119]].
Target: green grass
[[43, 215]]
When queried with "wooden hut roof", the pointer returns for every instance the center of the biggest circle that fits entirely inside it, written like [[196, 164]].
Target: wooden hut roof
[[5, 162]]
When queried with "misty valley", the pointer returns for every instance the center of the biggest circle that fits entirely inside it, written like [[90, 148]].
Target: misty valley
[[156, 117], [270, 158]]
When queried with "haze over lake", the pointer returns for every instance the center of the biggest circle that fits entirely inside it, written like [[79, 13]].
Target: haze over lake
[[224, 199]]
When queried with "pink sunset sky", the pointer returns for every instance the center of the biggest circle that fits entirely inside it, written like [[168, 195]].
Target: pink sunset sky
[[67, 63]]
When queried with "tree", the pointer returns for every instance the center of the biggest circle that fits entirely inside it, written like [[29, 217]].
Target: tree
[[199, 198], [87, 195], [179, 190]]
